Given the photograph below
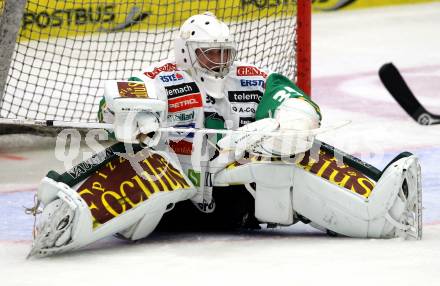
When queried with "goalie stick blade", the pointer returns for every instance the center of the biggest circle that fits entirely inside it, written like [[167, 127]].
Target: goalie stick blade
[[397, 87]]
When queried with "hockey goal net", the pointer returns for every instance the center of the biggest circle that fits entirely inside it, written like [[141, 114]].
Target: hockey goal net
[[65, 49]]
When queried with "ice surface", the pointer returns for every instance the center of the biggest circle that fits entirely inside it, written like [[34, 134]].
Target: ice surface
[[348, 49]]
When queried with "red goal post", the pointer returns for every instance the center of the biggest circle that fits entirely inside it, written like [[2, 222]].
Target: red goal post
[[304, 46], [65, 49]]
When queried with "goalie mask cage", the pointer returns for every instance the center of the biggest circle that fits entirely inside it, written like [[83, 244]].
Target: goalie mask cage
[[54, 55]]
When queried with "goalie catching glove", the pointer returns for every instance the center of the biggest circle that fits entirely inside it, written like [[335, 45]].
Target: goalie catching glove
[[294, 114], [136, 116]]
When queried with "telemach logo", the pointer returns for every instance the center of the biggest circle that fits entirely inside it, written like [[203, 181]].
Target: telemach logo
[[245, 96], [181, 89]]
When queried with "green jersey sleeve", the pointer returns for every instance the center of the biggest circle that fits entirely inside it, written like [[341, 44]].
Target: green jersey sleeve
[[278, 89]]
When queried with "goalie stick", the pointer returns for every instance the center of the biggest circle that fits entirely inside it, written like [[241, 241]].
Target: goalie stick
[[92, 125], [397, 87]]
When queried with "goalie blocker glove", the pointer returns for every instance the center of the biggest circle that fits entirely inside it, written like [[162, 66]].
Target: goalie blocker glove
[[136, 116]]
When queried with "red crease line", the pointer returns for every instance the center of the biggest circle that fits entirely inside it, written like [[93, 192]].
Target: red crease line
[[12, 157]]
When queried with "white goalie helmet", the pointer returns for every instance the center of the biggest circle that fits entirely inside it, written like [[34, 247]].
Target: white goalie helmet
[[206, 48]]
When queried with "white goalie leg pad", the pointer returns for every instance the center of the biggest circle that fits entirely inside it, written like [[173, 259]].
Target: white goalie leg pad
[[391, 210], [398, 211], [67, 222]]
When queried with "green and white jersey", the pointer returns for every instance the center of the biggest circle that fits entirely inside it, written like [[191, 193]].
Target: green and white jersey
[[249, 94]]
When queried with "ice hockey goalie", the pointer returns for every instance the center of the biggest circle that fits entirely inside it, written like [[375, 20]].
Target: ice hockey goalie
[[180, 181]]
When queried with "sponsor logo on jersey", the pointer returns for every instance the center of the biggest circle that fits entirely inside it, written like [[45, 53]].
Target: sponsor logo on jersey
[[206, 207], [252, 82], [181, 89], [245, 120], [181, 116], [243, 109], [210, 99], [245, 96], [194, 177], [181, 147], [165, 68], [214, 116], [250, 71], [132, 89], [285, 93], [185, 102], [175, 136], [171, 77]]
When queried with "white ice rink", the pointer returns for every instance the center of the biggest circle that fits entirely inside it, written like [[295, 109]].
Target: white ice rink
[[348, 49]]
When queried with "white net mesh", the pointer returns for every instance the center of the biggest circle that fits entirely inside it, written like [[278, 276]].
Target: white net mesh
[[66, 48]]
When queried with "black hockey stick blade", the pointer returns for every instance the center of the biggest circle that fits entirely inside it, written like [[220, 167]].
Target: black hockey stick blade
[[397, 87]]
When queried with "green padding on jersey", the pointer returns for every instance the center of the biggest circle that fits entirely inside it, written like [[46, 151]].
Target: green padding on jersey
[[102, 104], [133, 78], [214, 121], [278, 89]]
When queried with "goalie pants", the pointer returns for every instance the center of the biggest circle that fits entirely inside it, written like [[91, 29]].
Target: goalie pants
[[234, 210]]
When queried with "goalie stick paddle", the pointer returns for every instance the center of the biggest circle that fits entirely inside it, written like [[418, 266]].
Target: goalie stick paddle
[[109, 127], [397, 87]]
